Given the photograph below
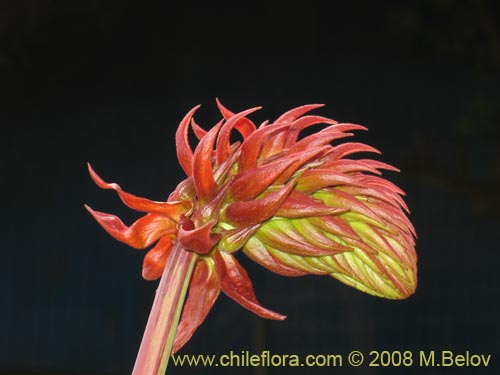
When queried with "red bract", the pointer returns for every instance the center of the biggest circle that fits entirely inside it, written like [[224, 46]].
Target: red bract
[[296, 205]]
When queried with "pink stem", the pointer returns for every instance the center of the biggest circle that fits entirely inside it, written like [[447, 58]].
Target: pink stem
[[161, 328]]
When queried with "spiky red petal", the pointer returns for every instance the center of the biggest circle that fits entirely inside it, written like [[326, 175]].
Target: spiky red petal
[[140, 234], [223, 147], [173, 210], [250, 183], [298, 204], [156, 258], [184, 151], [248, 213], [236, 284], [244, 125], [204, 289]]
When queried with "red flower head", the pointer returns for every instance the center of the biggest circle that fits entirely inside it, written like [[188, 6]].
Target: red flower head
[[296, 205]]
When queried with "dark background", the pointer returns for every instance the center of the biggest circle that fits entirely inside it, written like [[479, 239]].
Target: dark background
[[108, 82]]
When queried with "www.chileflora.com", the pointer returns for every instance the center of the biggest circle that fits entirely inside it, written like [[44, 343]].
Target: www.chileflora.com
[[355, 358]]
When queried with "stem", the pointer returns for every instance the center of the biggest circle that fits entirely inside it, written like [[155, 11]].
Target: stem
[[161, 327]]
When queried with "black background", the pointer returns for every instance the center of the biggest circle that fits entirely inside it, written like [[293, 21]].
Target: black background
[[108, 82]]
